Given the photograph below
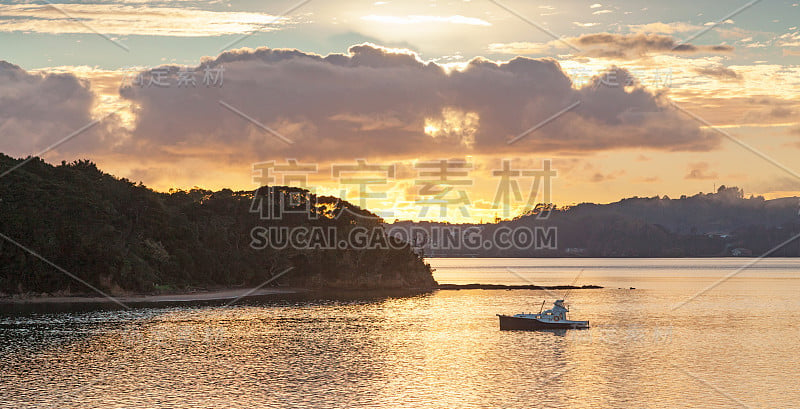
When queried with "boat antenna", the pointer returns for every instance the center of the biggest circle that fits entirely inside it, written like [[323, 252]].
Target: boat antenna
[[542, 307], [573, 284]]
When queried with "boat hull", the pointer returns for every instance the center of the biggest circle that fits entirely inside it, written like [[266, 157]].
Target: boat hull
[[530, 324]]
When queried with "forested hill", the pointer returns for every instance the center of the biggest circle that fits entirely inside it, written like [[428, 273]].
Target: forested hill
[[123, 237], [723, 223], [722, 212], [705, 224]]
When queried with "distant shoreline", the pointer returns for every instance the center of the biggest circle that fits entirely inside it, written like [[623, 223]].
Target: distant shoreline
[[513, 287], [428, 256]]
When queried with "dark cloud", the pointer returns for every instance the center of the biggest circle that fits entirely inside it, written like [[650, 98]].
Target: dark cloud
[[700, 171], [781, 112], [38, 110], [376, 102], [371, 103], [766, 109], [613, 45], [601, 177], [720, 72]]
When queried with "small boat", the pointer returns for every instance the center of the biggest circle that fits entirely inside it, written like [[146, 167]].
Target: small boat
[[555, 318]]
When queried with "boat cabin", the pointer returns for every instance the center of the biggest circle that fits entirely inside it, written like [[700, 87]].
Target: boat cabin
[[557, 313]]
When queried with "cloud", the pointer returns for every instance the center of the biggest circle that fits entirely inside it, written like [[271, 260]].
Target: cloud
[[763, 110], [472, 21], [612, 46], [781, 112], [719, 72], [600, 177], [519, 48], [373, 102], [136, 19], [790, 39], [377, 102], [699, 171], [38, 110], [663, 28]]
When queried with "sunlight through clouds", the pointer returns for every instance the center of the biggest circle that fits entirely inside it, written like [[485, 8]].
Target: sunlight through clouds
[[407, 79], [455, 125], [427, 20]]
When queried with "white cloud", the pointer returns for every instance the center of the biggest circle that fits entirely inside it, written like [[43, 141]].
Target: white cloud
[[791, 39], [663, 28], [417, 19], [520, 48], [132, 20]]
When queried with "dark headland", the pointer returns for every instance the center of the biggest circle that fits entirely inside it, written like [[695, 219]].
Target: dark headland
[[71, 229]]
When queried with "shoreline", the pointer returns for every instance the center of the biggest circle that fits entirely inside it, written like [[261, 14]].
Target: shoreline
[[240, 293], [195, 296]]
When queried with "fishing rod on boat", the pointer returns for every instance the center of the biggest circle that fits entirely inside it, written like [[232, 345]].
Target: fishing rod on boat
[[573, 284], [542, 307]]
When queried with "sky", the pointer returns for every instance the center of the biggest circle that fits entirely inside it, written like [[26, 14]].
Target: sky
[[412, 109]]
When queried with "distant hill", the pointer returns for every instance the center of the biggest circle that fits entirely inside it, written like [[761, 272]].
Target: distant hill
[[124, 237], [713, 224], [722, 212]]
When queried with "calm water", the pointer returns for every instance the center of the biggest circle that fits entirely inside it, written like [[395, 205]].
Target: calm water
[[736, 345]]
